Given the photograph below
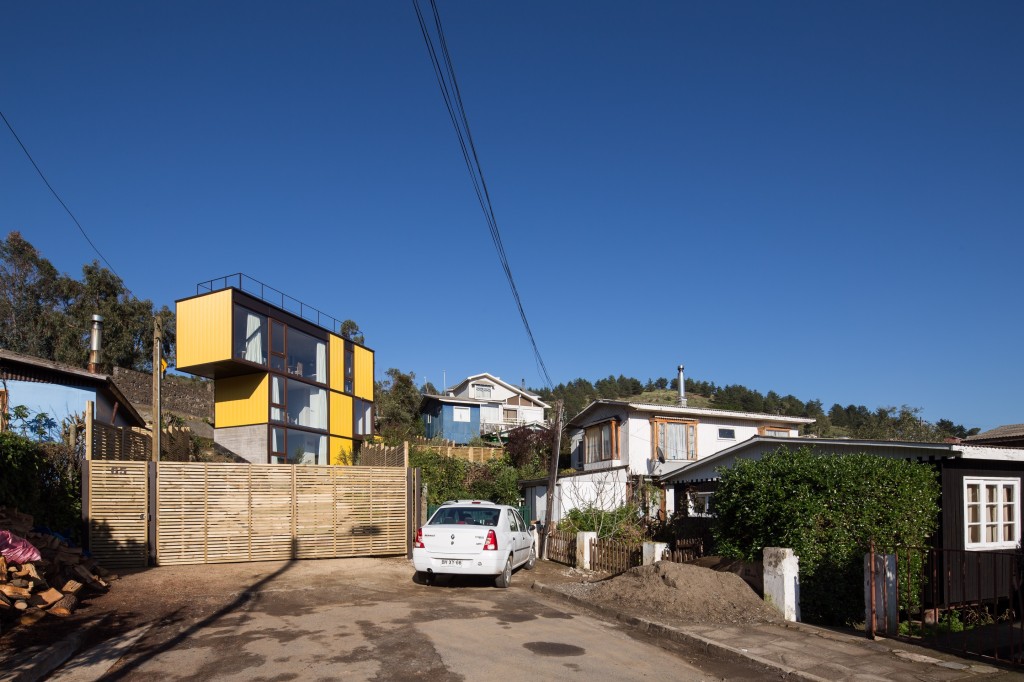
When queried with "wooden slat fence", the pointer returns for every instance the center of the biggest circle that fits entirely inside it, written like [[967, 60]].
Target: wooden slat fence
[[562, 547], [687, 549], [219, 513], [377, 455], [119, 443], [615, 557], [117, 509]]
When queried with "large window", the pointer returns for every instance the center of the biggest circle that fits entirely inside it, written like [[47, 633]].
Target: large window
[[460, 414], [350, 369], [482, 391], [297, 403], [307, 356], [774, 431], [286, 350], [600, 442], [674, 440], [364, 417], [291, 446], [991, 513], [250, 336]]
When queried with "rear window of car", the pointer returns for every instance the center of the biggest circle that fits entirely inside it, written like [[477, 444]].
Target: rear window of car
[[472, 516]]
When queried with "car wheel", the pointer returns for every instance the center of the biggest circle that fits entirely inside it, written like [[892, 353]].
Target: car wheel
[[422, 578], [505, 579], [532, 561]]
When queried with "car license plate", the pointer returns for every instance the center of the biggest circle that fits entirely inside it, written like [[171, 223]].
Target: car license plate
[[451, 562]]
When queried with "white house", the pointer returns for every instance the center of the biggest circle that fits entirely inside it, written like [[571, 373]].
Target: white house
[[503, 406], [615, 444]]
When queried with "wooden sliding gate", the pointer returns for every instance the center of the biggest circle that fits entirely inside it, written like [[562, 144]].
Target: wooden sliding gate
[[116, 508], [201, 513]]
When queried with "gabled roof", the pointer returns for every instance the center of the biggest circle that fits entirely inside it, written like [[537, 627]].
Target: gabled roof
[[704, 468], [1007, 432], [21, 367], [532, 397], [453, 400], [580, 420]]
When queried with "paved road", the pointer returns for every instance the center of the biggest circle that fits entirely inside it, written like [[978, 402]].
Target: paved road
[[366, 620]]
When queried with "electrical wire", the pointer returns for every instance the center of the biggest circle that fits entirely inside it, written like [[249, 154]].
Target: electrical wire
[[61, 201], [452, 96]]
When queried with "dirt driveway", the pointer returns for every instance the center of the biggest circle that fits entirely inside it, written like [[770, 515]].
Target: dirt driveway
[[365, 619]]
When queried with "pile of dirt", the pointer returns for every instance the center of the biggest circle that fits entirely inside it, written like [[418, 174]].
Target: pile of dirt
[[678, 594]]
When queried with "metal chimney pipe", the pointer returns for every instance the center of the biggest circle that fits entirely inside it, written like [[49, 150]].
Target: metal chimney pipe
[[682, 388], [96, 344]]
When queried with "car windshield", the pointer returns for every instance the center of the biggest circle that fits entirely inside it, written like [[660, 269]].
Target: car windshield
[[473, 516]]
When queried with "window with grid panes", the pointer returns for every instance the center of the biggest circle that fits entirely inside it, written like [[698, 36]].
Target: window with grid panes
[[991, 513]]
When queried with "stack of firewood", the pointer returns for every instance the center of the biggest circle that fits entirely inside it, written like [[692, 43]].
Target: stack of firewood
[[51, 585]]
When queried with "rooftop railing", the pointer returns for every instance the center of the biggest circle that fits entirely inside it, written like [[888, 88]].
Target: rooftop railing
[[275, 297]]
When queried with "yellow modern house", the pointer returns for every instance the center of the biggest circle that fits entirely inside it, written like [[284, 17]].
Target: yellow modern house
[[288, 388]]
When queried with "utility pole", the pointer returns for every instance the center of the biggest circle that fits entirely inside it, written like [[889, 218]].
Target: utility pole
[[157, 357], [552, 479]]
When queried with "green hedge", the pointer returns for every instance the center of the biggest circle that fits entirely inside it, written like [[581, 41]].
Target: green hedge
[[450, 478], [827, 508], [42, 479]]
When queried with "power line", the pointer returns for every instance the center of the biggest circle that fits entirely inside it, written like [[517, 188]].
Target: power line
[[57, 197], [452, 96]]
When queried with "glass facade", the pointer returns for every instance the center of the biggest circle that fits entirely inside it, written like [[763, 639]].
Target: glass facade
[[250, 336], [291, 446], [299, 401]]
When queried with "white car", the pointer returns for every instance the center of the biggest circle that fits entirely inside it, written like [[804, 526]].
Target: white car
[[473, 537]]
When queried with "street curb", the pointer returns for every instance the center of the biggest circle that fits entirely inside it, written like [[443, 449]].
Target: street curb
[[37, 662], [677, 635]]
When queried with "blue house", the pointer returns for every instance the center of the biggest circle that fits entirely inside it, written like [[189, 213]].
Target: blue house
[[451, 418], [60, 390]]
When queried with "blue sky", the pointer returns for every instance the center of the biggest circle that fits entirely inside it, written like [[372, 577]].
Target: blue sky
[[817, 198]]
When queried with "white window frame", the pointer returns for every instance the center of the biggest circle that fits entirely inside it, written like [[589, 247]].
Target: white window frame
[[999, 507], [731, 430], [482, 391], [707, 511], [464, 412]]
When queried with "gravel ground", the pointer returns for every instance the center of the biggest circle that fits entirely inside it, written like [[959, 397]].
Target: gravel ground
[[673, 593]]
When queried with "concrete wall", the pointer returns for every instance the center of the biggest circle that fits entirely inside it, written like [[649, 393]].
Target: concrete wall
[[248, 442]]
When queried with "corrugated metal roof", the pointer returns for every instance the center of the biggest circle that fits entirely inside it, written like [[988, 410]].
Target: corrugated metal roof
[[21, 367], [1006, 431], [690, 412]]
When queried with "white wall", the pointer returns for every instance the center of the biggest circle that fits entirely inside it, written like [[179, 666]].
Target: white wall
[[603, 489]]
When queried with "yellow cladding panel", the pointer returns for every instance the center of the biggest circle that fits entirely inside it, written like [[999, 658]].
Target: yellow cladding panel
[[204, 329], [341, 415], [341, 451], [364, 373], [337, 362], [242, 400]]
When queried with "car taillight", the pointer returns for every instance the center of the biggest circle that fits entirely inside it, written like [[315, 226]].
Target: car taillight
[[492, 541], [419, 539]]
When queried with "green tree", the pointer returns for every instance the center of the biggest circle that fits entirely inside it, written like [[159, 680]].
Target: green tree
[[397, 403], [33, 298], [904, 424], [48, 314], [350, 330], [827, 508]]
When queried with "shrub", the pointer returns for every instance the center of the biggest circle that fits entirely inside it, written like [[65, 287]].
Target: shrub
[[827, 508], [42, 479], [624, 523]]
